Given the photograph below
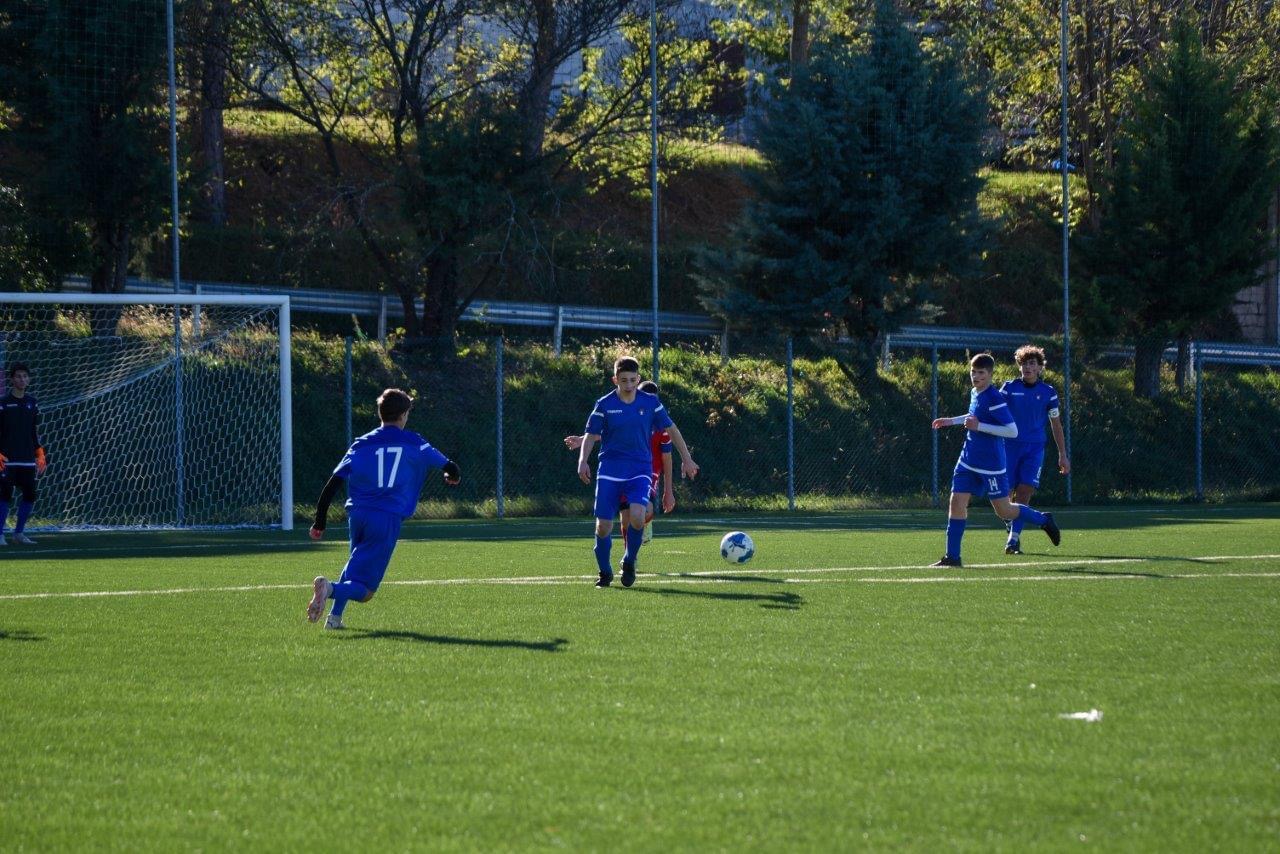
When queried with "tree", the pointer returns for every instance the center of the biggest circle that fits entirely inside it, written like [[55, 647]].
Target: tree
[[87, 85], [377, 79], [1184, 225], [870, 193]]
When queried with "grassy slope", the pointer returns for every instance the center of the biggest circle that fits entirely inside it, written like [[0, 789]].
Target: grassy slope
[[849, 708]]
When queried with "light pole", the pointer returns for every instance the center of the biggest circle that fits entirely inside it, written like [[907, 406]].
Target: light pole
[[1066, 244], [653, 170]]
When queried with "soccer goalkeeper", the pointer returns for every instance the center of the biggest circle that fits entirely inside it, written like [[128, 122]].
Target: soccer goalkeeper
[[21, 454], [384, 470]]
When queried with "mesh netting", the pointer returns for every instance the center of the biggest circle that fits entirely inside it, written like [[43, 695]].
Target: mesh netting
[[145, 428]]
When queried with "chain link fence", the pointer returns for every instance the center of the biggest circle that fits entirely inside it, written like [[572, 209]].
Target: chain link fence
[[787, 425]]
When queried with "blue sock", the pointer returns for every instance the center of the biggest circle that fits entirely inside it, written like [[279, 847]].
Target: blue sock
[[4, 515], [603, 546], [635, 536], [1035, 517], [955, 532], [344, 592], [24, 513], [1015, 529]]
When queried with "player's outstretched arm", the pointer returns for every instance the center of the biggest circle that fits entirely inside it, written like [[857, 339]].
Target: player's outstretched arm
[[322, 506], [573, 443], [452, 474], [953, 421], [688, 468]]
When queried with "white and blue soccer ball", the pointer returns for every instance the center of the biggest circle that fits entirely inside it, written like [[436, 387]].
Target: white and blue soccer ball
[[737, 547]]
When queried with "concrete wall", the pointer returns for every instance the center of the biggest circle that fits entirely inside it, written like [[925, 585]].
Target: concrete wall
[[1258, 308]]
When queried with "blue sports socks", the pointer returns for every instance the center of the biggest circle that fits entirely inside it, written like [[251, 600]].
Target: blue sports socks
[[603, 545], [955, 533], [24, 513], [4, 515], [345, 591], [1015, 529], [1035, 517], [635, 536]]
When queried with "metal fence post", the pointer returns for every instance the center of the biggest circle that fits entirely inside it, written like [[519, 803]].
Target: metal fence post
[[724, 343], [558, 336], [382, 320], [1196, 366], [791, 429], [933, 434], [346, 386], [499, 381]]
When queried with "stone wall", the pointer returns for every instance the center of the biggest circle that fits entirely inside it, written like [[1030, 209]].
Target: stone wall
[[1256, 308]]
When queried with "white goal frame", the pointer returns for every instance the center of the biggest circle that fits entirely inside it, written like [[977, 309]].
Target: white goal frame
[[280, 302]]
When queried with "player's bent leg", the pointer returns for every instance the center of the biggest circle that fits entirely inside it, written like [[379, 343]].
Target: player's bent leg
[[957, 519], [1021, 495]]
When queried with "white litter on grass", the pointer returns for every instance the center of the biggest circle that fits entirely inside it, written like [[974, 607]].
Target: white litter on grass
[[1092, 716]]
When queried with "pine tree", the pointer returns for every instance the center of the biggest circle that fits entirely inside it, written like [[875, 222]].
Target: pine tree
[[870, 193], [1184, 215]]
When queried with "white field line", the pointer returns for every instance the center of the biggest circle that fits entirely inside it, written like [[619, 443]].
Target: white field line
[[719, 577]]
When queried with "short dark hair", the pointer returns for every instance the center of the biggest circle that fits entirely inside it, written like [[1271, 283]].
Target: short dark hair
[[1028, 353], [18, 366], [626, 363], [649, 386], [393, 403], [983, 361]]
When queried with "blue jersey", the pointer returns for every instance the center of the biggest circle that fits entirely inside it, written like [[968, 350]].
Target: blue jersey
[[626, 432], [982, 452], [1032, 407], [385, 468]]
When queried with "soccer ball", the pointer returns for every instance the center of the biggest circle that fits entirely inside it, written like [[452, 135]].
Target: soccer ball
[[736, 547]]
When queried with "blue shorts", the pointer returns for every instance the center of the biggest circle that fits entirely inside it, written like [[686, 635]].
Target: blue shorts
[[610, 494], [1025, 461], [990, 485], [373, 539]]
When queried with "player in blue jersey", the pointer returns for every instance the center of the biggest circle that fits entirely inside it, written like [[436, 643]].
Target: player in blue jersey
[[21, 454], [1032, 402], [623, 422], [660, 449], [981, 468], [384, 471]]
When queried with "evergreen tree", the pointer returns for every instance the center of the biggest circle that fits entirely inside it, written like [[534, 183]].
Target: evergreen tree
[[1184, 215], [870, 193], [87, 86]]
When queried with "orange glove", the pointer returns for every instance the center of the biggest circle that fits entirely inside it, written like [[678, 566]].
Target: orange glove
[[3, 460], [41, 465]]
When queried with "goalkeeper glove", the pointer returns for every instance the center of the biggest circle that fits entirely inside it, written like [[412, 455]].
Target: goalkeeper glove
[[41, 465], [3, 460]]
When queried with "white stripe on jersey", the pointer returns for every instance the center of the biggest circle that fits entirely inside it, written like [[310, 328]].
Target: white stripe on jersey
[[963, 464], [623, 479], [997, 406]]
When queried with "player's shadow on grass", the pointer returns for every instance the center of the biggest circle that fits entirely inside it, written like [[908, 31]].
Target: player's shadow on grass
[[1117, 573], [555, 645], [781, 600], [750, 579], [19, 635]]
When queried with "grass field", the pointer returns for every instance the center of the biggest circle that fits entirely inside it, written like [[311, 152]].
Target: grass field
[[163, 691]]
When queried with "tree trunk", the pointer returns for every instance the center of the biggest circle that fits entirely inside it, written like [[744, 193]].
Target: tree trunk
[[1147, 356], [1182, 369], [439, 308], [536, 99], [109, 273], [800, 12], [215, 54]]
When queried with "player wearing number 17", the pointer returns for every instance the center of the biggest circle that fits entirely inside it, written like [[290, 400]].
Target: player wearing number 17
[[981, 468], [384, 471]]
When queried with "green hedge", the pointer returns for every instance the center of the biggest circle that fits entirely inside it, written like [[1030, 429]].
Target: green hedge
[[856, 445]]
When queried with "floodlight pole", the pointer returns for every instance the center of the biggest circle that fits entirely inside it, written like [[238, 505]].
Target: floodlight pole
[[1066, 245], [177, 311], [653, 170]]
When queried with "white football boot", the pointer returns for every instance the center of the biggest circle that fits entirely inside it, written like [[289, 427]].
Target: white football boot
[[321, 588], [23, 540], [334, 623]]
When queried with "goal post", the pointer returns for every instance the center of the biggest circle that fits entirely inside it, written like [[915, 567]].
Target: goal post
[[169, 411]]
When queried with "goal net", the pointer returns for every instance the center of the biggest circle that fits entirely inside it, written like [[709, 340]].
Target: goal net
[[166, 412]]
